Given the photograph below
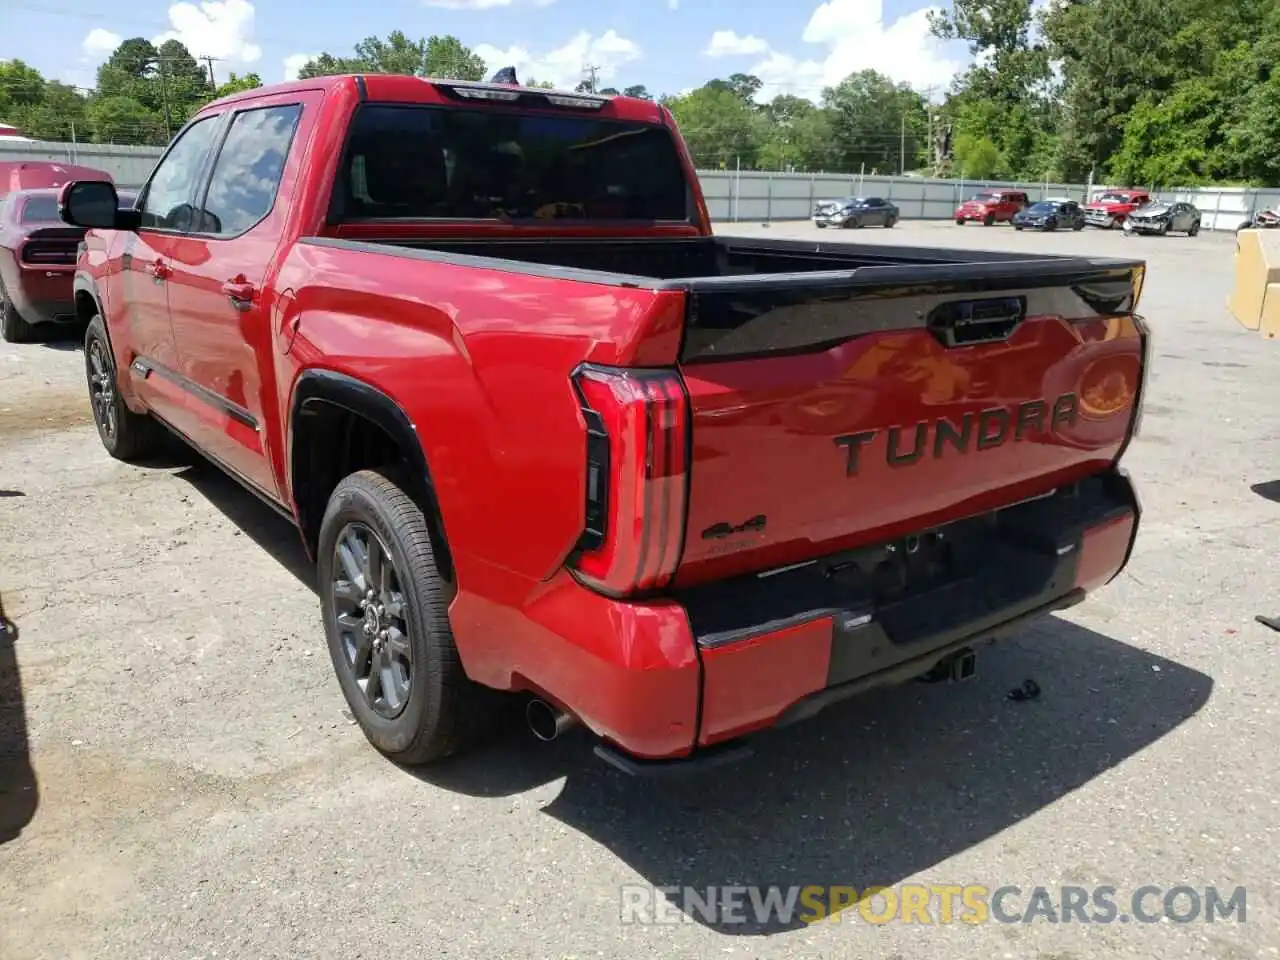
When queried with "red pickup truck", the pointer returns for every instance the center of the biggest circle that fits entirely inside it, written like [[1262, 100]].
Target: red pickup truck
[[1110, 209], [544, 432]]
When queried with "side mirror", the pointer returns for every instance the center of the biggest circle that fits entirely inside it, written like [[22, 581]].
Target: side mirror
[[89, 203]]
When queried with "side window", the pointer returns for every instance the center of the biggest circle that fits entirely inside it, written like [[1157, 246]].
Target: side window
[[166, 200], [247, 173]]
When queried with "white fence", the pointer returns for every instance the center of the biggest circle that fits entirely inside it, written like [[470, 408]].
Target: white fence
[[753, 196]]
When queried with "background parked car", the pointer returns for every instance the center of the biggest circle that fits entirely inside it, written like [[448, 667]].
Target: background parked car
[[991, 206], [37, 262], [1161, 216], [1111, 208], [855, 212], [42, 174], [1056, 214]]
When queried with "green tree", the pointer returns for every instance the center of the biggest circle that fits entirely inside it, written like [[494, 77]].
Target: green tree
[[877, 123], [21, 87], [448, 57], [434, 56], [1006, 97], [238, 84], [744, 86], [720, 127], [118, 119], [977, 158], [638, 90]]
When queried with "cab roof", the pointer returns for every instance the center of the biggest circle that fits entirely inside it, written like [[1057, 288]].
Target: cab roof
[[398, 88]]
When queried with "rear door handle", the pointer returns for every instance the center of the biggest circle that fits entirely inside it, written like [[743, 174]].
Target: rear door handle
[[160, 270], [239, 293]]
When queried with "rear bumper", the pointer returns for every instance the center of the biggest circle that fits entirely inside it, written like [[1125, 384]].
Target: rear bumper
[[43, 295], [1098, 219], [686, 679]]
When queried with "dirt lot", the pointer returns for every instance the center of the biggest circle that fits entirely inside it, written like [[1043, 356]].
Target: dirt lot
[[195, 790]]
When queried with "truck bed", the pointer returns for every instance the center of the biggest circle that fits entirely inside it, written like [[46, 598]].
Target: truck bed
[[842, 394], [749, 296]]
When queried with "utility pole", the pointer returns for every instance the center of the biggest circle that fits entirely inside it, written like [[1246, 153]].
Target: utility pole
[[902, 156], [591, 70], [213, 84], [164, 94]]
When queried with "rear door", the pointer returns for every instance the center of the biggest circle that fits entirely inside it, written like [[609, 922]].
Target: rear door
[[220, 295], [829, 414]]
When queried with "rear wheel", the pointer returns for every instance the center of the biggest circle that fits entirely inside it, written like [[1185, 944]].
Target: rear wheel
[[12, 327], [385, 617], [959, 222], [1194, 229], [125, 435], [1077, 227], [890, 222], [989, 219]]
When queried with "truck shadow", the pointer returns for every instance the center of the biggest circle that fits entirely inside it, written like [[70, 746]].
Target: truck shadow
[[872, 792], [19, 796], [869, 793]]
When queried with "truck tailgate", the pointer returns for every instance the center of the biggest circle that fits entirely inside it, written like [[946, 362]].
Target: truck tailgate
[[829, 412]]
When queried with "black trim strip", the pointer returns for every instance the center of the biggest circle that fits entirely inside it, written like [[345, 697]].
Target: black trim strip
[[362, 88], [144, 368]]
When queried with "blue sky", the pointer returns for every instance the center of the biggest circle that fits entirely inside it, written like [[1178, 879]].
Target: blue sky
[[668, 45]]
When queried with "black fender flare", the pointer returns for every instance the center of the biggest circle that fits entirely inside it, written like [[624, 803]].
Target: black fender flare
[[84, 283], [367, 401]]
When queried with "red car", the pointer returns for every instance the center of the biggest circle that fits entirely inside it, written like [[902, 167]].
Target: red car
[[1110, 209], [544, 432], [37, 263], [991, 206], [43, 174]]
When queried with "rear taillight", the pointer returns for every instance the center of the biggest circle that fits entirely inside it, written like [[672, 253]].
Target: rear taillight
[[49, 252], [637, 467]]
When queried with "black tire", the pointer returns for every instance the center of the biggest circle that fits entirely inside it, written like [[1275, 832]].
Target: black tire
[[1077, 227], [13, 328], [443, 711], [821, 226], [126, 435], [989, 220], [1018, 228], [888, 224], [959, 223], [854, 222], [1194, 229]]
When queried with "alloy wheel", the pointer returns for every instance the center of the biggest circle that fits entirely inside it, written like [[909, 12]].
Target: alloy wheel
[[102, 388], [369, 608]]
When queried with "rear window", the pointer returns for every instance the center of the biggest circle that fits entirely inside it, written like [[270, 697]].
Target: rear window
[[40, 210], [459, 164]]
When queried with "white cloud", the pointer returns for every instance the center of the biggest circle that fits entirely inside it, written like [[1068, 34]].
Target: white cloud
[[564, 65], [727, 43], [99, 44], [673, 4], [215, 28], [854, 36], [295, 62]]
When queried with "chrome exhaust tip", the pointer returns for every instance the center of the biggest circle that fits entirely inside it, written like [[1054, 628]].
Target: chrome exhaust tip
[[545, 721]]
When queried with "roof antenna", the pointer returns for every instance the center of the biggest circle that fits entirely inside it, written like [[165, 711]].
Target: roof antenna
[[506, 75]]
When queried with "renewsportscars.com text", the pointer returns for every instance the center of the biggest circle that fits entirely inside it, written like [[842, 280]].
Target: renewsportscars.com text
[[930, 904]]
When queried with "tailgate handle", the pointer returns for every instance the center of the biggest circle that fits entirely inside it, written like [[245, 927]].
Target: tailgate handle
[[959, 323]]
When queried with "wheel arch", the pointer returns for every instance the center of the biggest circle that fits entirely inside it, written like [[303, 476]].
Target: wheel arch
[[325, 401]]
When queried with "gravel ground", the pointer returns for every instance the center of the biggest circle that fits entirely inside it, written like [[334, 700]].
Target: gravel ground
[[195, 790]]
